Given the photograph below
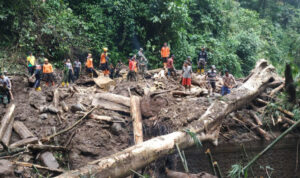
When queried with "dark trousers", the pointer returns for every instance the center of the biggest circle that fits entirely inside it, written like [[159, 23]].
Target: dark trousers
[[31, 70], [76, 72], [37, 83], [48, 77], [70, 76], [131, 76]]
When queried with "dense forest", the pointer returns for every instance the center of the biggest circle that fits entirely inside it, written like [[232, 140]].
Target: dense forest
[[235, 32]]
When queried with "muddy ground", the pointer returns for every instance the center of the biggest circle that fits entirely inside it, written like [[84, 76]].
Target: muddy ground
[[93, 139]]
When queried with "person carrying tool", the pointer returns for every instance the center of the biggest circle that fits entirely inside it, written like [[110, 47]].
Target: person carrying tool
[[132, 70], [48, 72], [5, 83], [37, 74], [77, 68], [202, 59], [228, 83], [104, 62], [187, 75], [170, 66], [89, 65], [30, 63], [212, 77], [165, 53]]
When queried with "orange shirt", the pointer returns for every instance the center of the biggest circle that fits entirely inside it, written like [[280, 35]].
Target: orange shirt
[[47, 68], [165, 51], [103, 58], [89, 63]]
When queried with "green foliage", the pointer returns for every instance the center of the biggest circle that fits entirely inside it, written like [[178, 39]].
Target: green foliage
[[235, 32], [237, 171]]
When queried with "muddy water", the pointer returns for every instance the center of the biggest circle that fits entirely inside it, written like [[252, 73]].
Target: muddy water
[[282, 158]]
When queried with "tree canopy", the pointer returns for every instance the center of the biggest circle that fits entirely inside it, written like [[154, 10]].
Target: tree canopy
[[235, 32]]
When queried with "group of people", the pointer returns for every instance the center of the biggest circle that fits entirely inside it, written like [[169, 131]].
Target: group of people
[[211, 75], [137, 64]]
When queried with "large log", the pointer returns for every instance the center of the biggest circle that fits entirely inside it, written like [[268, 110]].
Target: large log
[[135, 112], [55, 98], [136, 157], [6, 120], [123, 100], [22, 130], [110, 105], [7, 135]]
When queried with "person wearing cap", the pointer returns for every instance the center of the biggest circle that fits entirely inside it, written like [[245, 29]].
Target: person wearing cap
[[165, 53], [132, 70], [170, 66], [202, 59], [89, 65], [77, 68], [228, 83], [48, 72], [104, 62], [30, 63], [37, 74], [212, 76], [187, 75], [6, 84]]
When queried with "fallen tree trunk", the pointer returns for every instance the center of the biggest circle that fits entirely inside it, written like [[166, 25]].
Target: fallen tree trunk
[[135, 112], [55, 98], [22, 130], [110, 105], [136, 157], [119, 99], [6, 120], [7, 135]]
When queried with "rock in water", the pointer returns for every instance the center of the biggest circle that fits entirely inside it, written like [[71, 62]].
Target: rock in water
[[6, 169]]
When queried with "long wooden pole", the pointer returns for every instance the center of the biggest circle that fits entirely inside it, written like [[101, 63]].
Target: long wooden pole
[[135, 111]]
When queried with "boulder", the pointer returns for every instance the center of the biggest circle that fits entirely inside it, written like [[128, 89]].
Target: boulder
[[104, 82]]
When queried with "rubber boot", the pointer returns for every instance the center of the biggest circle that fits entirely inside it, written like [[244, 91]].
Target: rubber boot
[[198, 71], [39, 89], [202, 71], [62, 84], [67, 84]]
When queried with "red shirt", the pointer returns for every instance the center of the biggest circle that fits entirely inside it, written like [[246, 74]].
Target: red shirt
[[132, 65], [170, 63]]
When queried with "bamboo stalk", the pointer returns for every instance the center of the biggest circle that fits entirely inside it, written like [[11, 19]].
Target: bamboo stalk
[[270, 145], [217, 167]]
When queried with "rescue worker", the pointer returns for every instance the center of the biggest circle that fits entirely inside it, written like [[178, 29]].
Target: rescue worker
[[30, 63], [187, 75], [77, 68], [68, 73], [170, 66], [202, 60], [104, 62], [165, 53], [111, 71], [228, 83], [132, 70], [89, 65], [48, 72], [136, 64], [37, 74], [212, 76], [6, 85]]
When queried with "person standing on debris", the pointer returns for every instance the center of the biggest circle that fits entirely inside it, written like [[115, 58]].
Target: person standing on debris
[[202, 59], [89, 65], [228, 83], [104, 62], [132, 70], [6, 84], [118, 68], [48, 72], [37, 74], [143, 65], [187, 75], [77, 68], [212, 77], [165, 53], [31, 63], [68, 73], [170, 66], [111, 71]]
